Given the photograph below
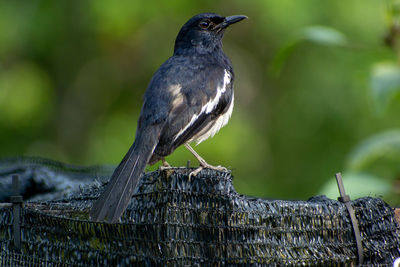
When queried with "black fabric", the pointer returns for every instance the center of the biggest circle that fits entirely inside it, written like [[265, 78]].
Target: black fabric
[[173, 221]]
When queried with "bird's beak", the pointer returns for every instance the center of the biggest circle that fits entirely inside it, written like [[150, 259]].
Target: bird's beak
[[231, 20]]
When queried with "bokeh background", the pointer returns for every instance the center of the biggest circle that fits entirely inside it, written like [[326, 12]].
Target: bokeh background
[[317, 88]]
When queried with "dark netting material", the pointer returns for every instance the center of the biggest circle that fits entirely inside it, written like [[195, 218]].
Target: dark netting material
[[172, 221], [44, 179]]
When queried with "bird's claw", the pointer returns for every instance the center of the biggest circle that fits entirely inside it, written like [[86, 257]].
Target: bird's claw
[[195, 172], [207, 166], [164, 168], [216, 168], [165, 165]]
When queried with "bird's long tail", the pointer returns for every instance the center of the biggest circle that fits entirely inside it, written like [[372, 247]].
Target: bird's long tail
[[114, 200]]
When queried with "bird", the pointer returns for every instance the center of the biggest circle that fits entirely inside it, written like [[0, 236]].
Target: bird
[[189, 99]]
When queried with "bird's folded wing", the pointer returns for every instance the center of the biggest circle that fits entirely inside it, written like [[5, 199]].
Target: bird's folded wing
[[195, 105]]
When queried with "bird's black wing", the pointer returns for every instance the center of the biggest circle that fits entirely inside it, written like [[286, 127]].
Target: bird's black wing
[[198, 96]]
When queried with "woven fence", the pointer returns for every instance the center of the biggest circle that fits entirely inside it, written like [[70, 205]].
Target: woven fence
[[174, 221]]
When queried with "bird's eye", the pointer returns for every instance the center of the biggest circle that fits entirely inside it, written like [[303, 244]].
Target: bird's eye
[[204, 24]]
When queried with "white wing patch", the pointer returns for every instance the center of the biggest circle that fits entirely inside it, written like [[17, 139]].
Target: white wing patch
[[207, 108], [218, 124]]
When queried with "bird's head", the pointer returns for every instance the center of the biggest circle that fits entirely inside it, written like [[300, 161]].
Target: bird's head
[[203, 33]]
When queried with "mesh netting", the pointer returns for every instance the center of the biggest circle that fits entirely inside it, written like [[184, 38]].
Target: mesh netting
[[203, 221]]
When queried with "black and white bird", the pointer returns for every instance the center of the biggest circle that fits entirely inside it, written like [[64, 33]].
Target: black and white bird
[[189, 99]]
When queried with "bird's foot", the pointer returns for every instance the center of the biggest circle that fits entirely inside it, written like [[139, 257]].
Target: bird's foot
[[165, 166], [205, 165]]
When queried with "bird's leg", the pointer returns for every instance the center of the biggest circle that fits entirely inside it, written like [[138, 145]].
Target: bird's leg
[[203, 163], [165, 165]]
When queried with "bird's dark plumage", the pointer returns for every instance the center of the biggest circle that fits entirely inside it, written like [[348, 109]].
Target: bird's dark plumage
[[189, 98]]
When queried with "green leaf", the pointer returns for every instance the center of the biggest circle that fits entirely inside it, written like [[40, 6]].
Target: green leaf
[[324, 36], [385, 84], [281, 57], [371, 186], [383, 145], [321, 35]]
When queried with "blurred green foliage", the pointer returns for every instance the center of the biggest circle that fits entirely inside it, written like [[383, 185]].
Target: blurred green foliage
[[317, 88]]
